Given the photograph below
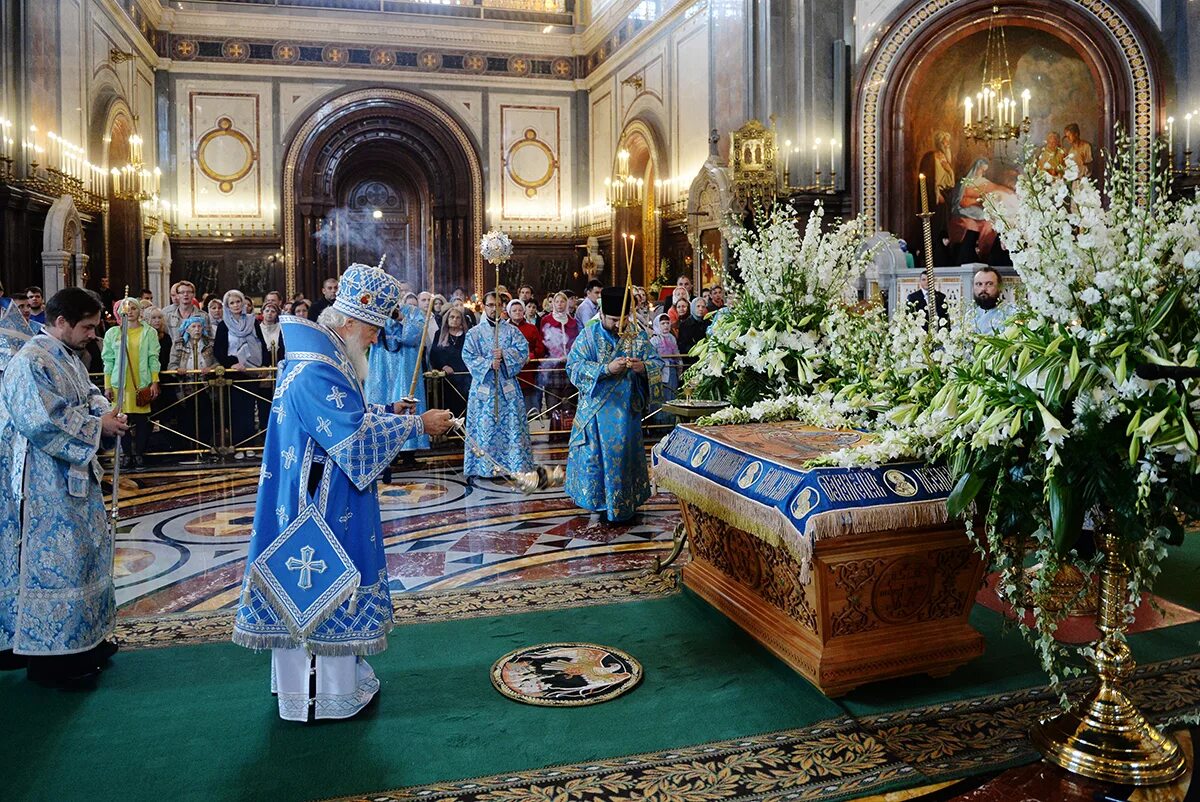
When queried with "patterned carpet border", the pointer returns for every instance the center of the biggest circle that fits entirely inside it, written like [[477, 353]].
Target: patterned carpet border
[[833, 760], [185, 629]]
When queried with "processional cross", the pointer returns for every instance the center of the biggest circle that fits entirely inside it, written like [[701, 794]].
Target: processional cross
[[306, 565]]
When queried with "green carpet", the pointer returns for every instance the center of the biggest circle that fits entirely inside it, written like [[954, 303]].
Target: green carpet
[[197, 722]]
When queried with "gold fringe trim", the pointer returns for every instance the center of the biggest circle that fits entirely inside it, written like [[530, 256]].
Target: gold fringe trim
[[764, 522], [773, 527]]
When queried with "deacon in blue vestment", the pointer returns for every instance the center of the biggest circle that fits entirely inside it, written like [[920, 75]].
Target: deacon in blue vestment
[[393, 360], [620, 382], [504, 437], [15, 331], [57, 603], [315, 590]]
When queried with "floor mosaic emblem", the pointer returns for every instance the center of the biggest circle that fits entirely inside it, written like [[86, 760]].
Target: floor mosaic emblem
[[565, 674]]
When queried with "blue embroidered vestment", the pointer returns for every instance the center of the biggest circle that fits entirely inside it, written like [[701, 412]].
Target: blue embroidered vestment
[[393, 361], [56, 550], [505, 437], [316, 575], [606, 463]]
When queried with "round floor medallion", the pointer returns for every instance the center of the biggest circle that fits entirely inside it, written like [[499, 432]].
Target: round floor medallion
[[565, 674]]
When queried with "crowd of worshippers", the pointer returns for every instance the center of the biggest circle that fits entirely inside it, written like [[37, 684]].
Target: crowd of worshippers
[[172, 349]]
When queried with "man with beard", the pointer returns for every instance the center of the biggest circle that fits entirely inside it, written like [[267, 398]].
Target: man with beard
[[619, 381], [990, 314], [57, 603], [315, 590]]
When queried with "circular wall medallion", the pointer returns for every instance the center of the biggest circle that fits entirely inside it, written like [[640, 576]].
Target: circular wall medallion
[[225, 155], [332, 54], [185, 48], [565, 674], [562, 68], [235, 50], [474, 62], [383, 57], [286, 52], [518, 65], [429, 60], [531, 163]]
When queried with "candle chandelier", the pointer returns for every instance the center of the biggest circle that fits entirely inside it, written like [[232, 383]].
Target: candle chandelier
[[991, 116], [134, 181], [623, 190]]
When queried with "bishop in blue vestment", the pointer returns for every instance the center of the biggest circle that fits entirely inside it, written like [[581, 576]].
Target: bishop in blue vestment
[[393, 361], [57, 603], [620, 382], [315, 590], [504, 436]]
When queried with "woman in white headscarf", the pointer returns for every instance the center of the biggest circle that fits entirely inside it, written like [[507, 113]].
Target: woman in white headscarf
[[239, 346]]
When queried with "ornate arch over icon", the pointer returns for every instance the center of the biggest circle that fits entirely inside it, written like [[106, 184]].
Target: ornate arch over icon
[[225, 180], [1117, 41], [531, 184]]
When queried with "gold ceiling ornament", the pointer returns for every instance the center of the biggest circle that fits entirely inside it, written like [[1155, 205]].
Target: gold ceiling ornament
[[991, 116], [752, 158]]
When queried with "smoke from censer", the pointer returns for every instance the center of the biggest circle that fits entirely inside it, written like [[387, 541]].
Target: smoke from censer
[[364, 238]]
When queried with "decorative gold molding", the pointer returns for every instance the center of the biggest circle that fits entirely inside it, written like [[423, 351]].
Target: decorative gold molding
[[877, 75], [336, 106]]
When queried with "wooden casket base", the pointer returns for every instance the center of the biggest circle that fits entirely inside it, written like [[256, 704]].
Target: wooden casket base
[[878, 606]]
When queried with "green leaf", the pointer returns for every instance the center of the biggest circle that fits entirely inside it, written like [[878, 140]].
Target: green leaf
[[1163, 307], [965, 490], [1073, 366], [1066, 513], [1134, 422], [1189, 431]]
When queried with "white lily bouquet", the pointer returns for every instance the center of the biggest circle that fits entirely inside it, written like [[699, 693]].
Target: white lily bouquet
[[496, 247], [770, 341], [1065, 415]]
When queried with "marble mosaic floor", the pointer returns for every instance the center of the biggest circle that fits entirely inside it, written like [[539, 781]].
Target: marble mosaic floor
[[182, 538]]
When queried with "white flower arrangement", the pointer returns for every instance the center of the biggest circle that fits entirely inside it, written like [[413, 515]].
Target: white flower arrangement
[[496, 247], [771, 341]]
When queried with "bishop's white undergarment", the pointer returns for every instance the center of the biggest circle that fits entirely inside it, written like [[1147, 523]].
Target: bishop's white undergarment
[[344, 684]]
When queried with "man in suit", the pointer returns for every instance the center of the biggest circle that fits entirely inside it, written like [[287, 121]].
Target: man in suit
[[917, 302]]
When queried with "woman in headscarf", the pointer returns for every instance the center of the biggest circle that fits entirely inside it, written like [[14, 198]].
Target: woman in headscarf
[[141, 372], [527, 379], [192, 357], [559, 330], [240, 348], [667, 347]]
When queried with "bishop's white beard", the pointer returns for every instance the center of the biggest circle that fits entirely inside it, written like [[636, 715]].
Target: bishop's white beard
[[356, 349]]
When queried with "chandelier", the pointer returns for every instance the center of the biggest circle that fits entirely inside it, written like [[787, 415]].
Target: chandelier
[[134, 181], [991, 116], [622, 190]]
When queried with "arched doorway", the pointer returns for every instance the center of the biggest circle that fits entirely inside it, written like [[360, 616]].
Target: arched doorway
[[640, 140], [1088, 60], [382, 171]]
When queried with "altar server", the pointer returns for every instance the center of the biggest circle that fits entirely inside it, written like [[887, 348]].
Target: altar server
[[57, 604], [393, 361], [315, 590], [500, 430], [619, 381]]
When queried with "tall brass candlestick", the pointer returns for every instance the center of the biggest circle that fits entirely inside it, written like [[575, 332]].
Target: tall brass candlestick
[[930, 294]]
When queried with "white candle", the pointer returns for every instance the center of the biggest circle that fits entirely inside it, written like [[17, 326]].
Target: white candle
[[979, 107], [1187, 132], [1025, 105], [832, 151], [967, 112], [1171, 139]]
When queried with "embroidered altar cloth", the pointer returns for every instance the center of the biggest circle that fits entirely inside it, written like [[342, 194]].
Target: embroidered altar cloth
[[756, 476]]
